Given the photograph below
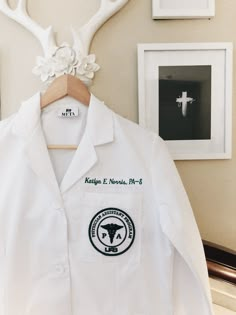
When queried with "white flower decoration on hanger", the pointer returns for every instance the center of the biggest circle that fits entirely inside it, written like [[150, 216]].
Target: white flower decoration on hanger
[[64, 60]]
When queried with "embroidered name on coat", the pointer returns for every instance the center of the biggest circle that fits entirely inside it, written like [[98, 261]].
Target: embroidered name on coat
[[111, 232], [113, 181]]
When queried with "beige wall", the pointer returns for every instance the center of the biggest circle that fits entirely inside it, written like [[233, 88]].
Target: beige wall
[[211, 185]]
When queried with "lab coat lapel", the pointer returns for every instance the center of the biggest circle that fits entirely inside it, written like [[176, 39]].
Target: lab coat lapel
[[84, 159], [98, 131], [28, 128]]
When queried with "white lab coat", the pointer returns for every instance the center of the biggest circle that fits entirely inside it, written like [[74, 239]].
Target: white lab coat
[[54, 257]]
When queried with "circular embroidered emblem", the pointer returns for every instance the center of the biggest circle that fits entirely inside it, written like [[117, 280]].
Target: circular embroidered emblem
[[111, 231]]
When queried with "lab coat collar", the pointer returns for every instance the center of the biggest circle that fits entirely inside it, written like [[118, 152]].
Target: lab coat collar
[[98, 131], [99, 122]]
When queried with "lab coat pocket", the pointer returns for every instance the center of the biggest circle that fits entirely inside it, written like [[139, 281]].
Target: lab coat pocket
[[106, 227]]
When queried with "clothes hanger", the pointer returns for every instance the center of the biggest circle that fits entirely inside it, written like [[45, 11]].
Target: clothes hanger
[[62, 86]]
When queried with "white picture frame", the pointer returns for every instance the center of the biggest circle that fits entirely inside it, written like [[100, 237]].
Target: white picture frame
[[183, 9], [158, 65]]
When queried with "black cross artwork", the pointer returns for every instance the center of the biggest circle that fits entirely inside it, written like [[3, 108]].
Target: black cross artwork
[[112, 229]]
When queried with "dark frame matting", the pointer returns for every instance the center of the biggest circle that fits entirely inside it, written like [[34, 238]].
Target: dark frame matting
[[192, 120]]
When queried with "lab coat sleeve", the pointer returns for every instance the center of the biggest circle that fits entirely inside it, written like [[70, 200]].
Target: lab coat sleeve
[[190, 284]]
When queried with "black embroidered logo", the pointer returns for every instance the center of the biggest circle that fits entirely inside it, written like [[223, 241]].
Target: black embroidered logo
[[111, 231]]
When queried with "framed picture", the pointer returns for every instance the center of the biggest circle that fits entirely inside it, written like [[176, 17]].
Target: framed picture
[[185, 95], [182, 9]]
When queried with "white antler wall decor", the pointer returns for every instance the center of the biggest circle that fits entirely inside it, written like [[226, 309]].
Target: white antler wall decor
[[63, 59]]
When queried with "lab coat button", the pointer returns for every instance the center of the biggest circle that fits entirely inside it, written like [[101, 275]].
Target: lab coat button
[[60, 210], [61, 269], [57, 206]]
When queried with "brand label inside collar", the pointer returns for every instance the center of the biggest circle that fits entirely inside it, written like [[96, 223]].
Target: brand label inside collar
[[68, 112]]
